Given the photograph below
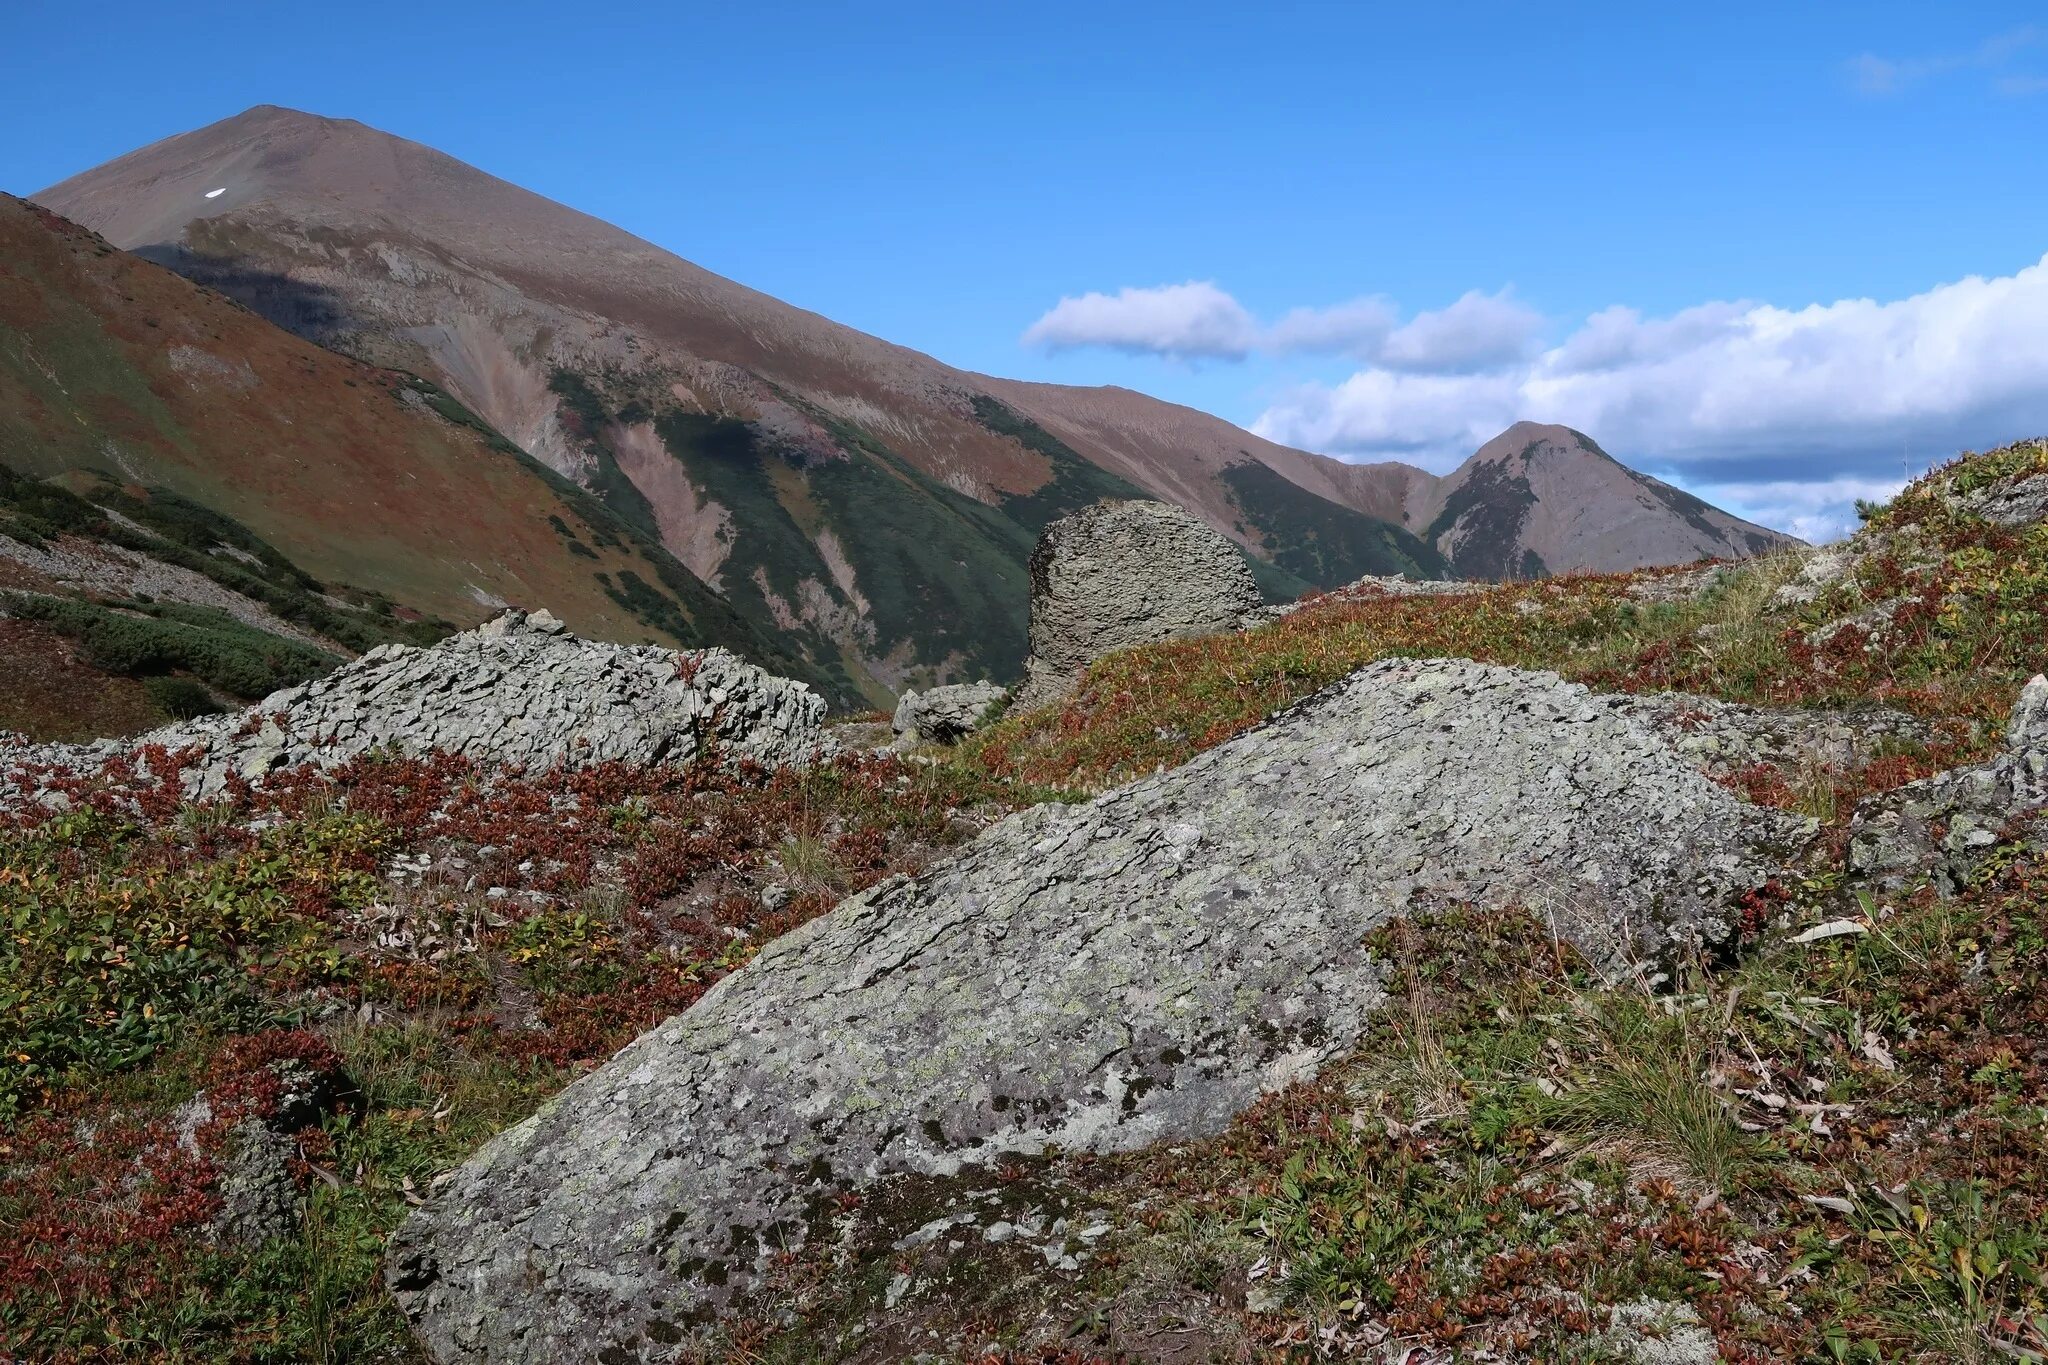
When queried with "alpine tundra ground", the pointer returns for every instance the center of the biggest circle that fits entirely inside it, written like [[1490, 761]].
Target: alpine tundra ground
[[1814, 1146]]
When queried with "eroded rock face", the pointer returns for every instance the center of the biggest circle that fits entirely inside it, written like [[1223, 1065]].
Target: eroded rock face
[[2016, 503], [1100, 977], [1945, 825], [1122, 574], [519, 689], [945, 715]]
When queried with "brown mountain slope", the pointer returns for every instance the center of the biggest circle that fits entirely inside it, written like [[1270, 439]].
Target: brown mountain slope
[[874, 505], [1540, 499], [341, 473]]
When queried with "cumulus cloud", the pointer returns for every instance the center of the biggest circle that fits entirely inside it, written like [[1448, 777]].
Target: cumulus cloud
[[1359, 329], [1195, 319], [1728, 380], [1828, 392], [1477, 332]]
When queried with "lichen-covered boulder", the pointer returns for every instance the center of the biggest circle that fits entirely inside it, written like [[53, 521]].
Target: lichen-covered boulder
[[1121, 574], [1943, 826], [1098, 977], [945, 715], [520, 689]]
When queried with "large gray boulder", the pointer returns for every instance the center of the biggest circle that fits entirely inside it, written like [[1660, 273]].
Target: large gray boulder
[[1121, 574], [944, 715], [520, 689], [1098, 977]]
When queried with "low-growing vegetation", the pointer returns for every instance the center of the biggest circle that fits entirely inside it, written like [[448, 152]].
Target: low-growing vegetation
[[138, 639], [175, 530], [446, 946], [1830, 1150]]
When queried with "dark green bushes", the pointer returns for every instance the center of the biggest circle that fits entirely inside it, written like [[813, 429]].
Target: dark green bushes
[[155, 638]]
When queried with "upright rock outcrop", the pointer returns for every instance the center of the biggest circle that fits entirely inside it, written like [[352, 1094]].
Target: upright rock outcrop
[[1944, 825], [1121, 574], [1099, 977], [519, 689]]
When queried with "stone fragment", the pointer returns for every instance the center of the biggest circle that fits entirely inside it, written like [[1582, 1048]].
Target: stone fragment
[[1944, 825], [259, 1200], [2021, 502]]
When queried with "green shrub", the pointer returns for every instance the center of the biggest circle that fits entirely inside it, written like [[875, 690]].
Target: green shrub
[[181, 698], [158, 637]]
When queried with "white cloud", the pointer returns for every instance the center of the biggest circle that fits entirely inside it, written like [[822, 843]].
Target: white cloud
[[1618, 336], [1358, 328], [1851, 390], [1198, 320], [1195, 319], [1875, 75], [1477, 332], [1725, 380]]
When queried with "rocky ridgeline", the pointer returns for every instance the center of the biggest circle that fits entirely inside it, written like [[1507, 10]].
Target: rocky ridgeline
[[1122, 574], [518, 690], [1097, 977]]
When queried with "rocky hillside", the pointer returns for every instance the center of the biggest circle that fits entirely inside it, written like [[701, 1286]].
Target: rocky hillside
[[872, 505], [166, 452], [1603, 968]]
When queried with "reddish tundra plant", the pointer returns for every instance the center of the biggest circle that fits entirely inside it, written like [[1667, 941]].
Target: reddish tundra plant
[[447, 944], [1827, 1150]]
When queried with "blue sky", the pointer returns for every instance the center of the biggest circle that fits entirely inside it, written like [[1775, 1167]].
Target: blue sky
[[1713, 191]]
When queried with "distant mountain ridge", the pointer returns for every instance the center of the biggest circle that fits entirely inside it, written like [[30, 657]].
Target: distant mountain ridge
[[868, 504]]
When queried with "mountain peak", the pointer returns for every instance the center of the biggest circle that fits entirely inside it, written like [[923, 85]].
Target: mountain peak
[[1545, 498], [1525, 440]]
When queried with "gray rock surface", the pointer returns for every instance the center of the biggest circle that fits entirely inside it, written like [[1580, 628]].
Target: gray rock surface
[[258, 1200], [1121, 574], [1724, 737], [1945, 825], [1822, 569], [1678, 586], [519, 689], [2019, 502], [945, 715], [1097, 977]]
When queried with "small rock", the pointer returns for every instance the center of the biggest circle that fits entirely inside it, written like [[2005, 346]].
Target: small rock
[[259, 1201], [1834, 928], [520, 690], [945, 715]]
